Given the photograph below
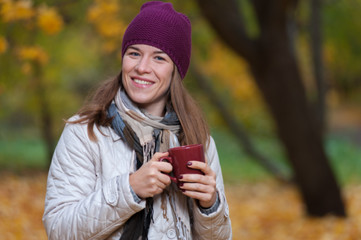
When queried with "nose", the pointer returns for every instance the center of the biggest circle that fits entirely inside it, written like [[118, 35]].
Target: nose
[[143, 65]]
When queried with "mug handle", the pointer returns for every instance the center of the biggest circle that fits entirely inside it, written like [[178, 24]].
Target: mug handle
[[170, 160]]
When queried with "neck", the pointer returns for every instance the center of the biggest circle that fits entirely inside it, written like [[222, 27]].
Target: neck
[[155, 112]]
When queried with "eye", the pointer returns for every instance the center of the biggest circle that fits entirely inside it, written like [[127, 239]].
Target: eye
[[133, 53], [159, 58]]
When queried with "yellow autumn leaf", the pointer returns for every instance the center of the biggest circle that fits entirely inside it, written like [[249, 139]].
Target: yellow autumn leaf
[[33, 53], [110, 28], [233, 71], [101, 9], [109, 7], [110, 46], [49, 20], [258, 211], [19, 10], [94, 13], [105, 16]]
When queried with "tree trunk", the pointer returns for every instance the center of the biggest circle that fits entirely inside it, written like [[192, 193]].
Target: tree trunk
[[296, 128], [316, 53], [275, 70]]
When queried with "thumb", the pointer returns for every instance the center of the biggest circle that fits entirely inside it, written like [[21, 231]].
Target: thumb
[[159, 155]]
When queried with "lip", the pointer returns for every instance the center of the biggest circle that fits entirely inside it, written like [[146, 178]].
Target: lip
[[139, 85]]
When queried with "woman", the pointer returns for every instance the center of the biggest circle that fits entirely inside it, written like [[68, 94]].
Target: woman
[[106, 180]]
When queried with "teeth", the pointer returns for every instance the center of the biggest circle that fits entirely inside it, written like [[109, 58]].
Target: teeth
[[142, 82]]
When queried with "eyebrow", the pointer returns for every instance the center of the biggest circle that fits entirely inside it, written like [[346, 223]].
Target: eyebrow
[[155, 52]]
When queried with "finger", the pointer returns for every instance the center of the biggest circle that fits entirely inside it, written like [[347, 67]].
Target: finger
[[201, 166], [157, 166], [161, 185], [198, 178], [159, 155], [198, 187], [164, 167], [164, 179], [204, 197]]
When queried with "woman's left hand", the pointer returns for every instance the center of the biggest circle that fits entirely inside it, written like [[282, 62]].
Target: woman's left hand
[[200, 187]]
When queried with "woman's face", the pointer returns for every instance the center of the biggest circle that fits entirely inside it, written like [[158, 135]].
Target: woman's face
[[147, 73]]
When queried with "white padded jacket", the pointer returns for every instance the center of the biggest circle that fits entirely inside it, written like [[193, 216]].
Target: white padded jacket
[[88, 193]]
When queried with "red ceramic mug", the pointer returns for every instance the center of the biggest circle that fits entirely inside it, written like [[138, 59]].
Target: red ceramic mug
[[180, 156]]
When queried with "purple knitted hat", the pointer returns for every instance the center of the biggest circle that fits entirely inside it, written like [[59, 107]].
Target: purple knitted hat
[[160, 26]]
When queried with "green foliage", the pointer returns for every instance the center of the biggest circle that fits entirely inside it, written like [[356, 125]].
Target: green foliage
[[343, 44], [345, 158], [239, 166], [249, 18], [73, 69], [21, 151]]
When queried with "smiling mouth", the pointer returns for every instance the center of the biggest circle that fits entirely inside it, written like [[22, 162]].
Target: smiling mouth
[[139, 81]]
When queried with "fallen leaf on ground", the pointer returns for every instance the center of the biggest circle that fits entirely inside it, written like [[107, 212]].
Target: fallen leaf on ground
[[259, 211]]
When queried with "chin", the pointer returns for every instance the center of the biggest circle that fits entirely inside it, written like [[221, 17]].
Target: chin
[[139, 100]]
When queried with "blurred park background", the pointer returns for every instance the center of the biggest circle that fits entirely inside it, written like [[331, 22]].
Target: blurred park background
[[279, 82]]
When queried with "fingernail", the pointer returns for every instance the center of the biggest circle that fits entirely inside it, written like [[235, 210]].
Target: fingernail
[[183, 190], [181, 177], [181, 184], [189, 163]]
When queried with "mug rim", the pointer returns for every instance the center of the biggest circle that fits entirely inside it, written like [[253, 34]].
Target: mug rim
[[185, 147]]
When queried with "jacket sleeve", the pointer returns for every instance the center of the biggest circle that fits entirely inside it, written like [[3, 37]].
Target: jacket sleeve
[[216, 225], [74, 209]]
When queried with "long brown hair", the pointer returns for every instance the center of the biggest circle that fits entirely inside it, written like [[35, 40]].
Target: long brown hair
[[194, 128]]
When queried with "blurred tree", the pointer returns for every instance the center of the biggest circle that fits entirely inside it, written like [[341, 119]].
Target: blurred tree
[[270, 53], [31, 21], [237, 129], [105, 17], [315, 26]]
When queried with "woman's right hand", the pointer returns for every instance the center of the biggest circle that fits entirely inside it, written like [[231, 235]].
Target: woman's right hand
[[150, 179]]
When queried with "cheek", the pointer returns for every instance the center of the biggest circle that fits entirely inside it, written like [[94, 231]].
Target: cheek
[[125, 67], [126, 70], [167, 76], [125, 82], [127, 64], [123, 77]]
